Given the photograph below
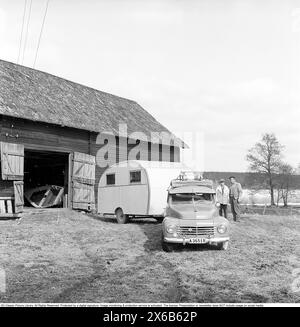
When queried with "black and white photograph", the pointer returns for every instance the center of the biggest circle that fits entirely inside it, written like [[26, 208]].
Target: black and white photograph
[[149, 155]]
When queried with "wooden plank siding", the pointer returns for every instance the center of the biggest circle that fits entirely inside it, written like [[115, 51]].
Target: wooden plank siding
[[6, 188], [43, 136], [48, 137]]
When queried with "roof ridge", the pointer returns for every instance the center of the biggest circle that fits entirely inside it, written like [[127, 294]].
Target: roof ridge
[[67, 80]]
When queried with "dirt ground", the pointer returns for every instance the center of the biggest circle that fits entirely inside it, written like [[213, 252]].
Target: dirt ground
[[65, 256]]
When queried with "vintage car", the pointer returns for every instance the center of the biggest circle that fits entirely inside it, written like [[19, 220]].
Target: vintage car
[[192, 216]]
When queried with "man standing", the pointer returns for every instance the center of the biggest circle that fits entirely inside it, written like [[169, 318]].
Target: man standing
[[222, 194], [235, 193]]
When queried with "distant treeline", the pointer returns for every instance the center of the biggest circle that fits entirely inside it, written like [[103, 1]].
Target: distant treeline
[[248, 180]]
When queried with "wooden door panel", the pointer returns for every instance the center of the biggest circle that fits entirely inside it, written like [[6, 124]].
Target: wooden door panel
[[12, 161], [83, 181], [19, 196]]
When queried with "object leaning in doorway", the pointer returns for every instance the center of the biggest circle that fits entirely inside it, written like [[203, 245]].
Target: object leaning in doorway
[[45, 196]]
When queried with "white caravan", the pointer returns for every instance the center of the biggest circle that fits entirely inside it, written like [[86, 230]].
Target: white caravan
[[136, 188]]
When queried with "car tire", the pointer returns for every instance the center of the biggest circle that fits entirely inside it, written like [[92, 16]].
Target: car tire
[[121, 217], [168, 247], [223, 245]]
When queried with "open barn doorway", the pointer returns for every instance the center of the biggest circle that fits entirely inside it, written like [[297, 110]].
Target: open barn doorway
[[46, 179]]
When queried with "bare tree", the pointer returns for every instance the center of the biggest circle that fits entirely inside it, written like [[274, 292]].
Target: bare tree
[[265, 158], [285, 183]]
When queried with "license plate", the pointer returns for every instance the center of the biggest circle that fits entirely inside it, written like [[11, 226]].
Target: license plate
[[198, 240]]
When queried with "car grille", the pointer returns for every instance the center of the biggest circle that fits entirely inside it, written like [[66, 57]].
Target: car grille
[[195, 231]]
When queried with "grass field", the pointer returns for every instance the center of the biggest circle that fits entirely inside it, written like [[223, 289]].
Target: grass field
[[64, 256]]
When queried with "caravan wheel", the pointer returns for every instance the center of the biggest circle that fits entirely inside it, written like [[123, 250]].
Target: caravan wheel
[[121, 217]]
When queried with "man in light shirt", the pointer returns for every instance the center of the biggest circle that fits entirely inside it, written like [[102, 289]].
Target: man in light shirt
[[222, 195]]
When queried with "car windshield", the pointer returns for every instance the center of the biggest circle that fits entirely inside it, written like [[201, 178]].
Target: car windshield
[[188, 198]]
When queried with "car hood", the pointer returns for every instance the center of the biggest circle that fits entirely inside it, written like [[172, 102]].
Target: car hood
[[202, 212], [193, 221]]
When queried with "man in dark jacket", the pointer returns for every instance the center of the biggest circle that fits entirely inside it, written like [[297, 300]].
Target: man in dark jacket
[[235, 193]]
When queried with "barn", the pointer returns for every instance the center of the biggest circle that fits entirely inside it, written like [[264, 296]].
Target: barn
[[49, 134]]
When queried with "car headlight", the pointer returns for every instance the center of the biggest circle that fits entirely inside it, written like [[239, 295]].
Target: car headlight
[[222, 229], [171, 229]]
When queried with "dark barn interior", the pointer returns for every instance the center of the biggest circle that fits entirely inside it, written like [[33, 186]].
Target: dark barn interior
[[43, 169]]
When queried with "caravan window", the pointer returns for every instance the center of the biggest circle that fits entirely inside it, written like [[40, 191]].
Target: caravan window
[[135, 176], [111, 179]]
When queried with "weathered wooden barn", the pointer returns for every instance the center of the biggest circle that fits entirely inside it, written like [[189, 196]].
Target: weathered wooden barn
[[48, 132]]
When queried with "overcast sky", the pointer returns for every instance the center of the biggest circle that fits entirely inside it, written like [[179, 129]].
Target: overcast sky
[[227, 69]]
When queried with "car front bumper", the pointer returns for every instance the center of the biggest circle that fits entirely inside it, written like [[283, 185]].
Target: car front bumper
[[184, 241]]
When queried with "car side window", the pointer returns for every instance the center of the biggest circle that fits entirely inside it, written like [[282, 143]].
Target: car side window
[[110, 179], [135, 176]]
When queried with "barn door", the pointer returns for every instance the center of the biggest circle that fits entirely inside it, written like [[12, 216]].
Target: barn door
[[12, 161], [83, 181], [19, 196], [12, 169]]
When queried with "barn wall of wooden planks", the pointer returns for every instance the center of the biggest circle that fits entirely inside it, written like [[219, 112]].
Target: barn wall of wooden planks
[[82, 147]]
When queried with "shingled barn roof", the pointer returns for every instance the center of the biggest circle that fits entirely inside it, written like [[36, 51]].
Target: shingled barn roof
[[38, 96]]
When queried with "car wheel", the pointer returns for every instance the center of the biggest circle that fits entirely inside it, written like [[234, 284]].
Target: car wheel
[[121, 217], [223, 246], [167, 247]]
